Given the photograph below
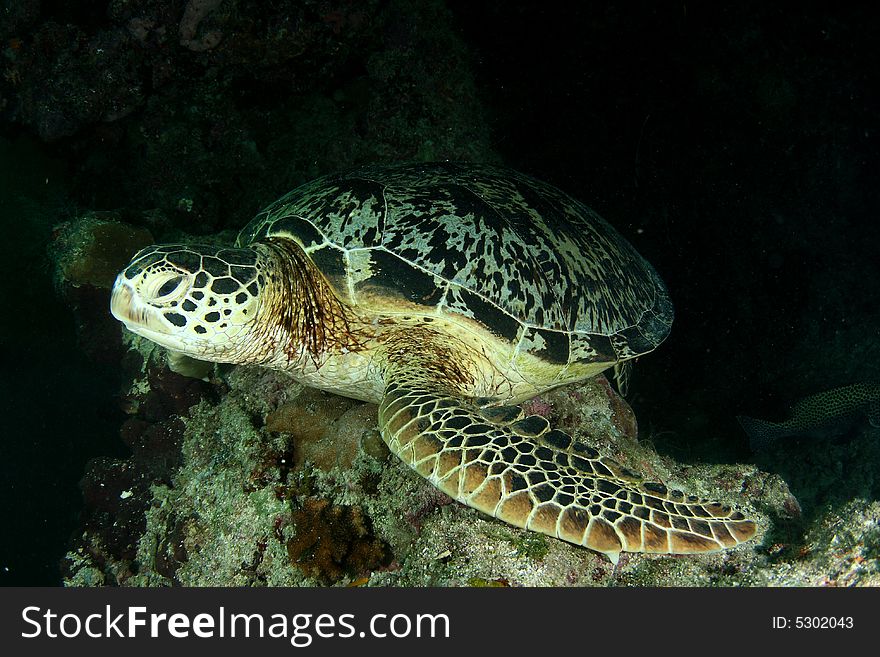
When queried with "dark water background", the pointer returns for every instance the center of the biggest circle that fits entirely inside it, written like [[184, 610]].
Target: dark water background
[[737, 145]]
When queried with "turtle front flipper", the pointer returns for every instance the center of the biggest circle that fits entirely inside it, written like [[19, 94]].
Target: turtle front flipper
[[520, 470]]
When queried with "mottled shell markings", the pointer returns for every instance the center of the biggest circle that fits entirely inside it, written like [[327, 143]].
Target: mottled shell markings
[[490, 244]]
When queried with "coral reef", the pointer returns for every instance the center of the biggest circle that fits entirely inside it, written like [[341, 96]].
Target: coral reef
[[331, 541], [88, 252], [241, 506], [309, 420], [92, 249], [207, 109], [272, 484]]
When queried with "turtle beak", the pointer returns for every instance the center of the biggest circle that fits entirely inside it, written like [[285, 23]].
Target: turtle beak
[[124, 306], [120, 300]]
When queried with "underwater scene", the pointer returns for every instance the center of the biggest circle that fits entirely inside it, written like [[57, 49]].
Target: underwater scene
[[416, 293]]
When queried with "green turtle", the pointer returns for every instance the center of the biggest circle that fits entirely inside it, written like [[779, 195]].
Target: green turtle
[[447, 294]]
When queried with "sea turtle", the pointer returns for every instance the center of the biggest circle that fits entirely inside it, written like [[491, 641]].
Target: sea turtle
[[447, 294]]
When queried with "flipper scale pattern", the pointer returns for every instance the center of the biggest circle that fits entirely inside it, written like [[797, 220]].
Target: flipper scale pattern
[[520, 470]]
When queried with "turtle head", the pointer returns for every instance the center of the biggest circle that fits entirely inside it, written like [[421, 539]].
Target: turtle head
[[198, 300]]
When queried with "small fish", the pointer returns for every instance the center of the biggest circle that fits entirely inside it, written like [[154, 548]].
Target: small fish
[[817, 414]]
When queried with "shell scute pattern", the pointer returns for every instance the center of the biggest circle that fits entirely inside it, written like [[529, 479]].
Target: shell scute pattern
[[349, 212], [531, 264]]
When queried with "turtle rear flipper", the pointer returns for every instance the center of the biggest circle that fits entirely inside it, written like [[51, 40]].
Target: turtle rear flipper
[[521, 471]]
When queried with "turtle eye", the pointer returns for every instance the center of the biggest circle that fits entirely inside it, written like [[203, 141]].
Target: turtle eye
[[168, 288]]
